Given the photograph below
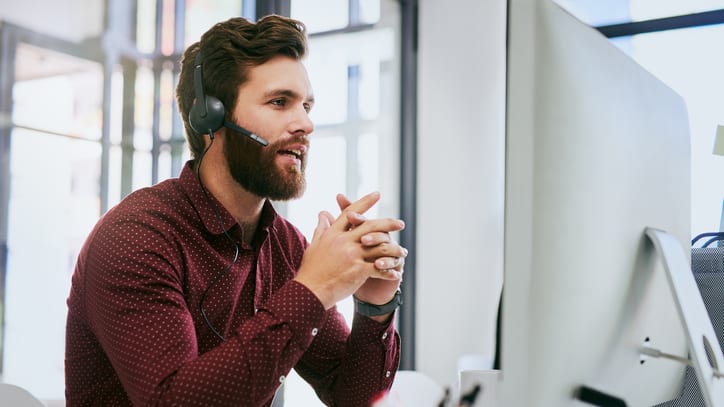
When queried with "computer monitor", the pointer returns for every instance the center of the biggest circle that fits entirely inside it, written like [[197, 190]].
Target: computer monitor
[[597, 151]]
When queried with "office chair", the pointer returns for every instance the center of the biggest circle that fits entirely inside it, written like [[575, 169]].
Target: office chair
[[707, 264], [16, 396]]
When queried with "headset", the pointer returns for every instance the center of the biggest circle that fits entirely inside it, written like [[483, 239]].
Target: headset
[[208, 114]]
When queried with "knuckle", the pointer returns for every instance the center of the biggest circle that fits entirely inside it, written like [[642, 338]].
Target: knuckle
[[385, 249]]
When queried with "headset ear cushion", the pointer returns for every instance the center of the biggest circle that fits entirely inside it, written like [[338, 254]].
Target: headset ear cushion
[[211, 121]]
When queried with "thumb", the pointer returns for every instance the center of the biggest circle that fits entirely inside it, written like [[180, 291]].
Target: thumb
[[343, 201], [323, 223]]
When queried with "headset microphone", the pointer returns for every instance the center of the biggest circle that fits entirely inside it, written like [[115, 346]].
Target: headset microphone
[[207, 114], [247, 133]]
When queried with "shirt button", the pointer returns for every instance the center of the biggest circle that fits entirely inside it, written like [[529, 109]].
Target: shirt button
[[388, 374], [282, 378], [384, 336], [314, 331]]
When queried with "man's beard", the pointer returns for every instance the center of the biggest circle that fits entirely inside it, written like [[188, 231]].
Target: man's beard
[[253, 166]]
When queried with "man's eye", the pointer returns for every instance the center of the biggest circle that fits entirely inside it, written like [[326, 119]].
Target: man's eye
[[278, 102]]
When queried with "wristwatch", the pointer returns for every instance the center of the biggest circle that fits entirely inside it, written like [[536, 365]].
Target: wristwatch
[[372, 310]]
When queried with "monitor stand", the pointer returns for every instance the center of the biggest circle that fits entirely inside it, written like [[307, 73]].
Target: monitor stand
[[705, 354]]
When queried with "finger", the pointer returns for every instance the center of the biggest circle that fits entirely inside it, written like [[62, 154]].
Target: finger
[[387, 263], [328, 216], [385, 255], [386, 225], [355, 219], [323, 223], [360, 206], [388, 274], [343, 201], [375, 238], [382, 251]]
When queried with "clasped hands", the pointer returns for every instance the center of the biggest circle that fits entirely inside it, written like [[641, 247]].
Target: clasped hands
[[351, 254]]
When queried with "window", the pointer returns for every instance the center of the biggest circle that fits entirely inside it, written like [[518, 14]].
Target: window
[[353, 65], [91, 121], [54, 202], [687, 60]]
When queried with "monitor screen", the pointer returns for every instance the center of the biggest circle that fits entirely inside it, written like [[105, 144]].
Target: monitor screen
[[597, 150]]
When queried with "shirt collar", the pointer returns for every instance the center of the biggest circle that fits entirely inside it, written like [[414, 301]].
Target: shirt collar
[[210, 209]]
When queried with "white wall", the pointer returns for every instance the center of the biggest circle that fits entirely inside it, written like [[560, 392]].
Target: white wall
[[461, 131]]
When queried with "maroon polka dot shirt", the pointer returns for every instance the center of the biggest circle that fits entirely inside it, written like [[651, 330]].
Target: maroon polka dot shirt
[[136, 336]]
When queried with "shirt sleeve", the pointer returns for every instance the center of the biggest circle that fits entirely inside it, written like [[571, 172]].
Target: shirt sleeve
[[352, 369]]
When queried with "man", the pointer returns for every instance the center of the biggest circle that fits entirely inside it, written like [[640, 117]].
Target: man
[[196, 292]]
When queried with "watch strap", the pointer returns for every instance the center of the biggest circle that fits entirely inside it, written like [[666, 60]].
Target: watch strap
[[372, 310]]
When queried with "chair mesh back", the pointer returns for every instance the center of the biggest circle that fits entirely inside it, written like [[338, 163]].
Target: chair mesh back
[[707, 264]]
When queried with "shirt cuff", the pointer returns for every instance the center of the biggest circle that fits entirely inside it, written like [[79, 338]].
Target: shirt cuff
[[367, 331], [296, 305], [372, 337]]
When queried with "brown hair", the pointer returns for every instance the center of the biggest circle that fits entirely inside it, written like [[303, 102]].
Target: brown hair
[[229, 49]]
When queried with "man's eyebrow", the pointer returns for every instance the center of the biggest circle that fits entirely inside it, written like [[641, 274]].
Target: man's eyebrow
[[288, 93]]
